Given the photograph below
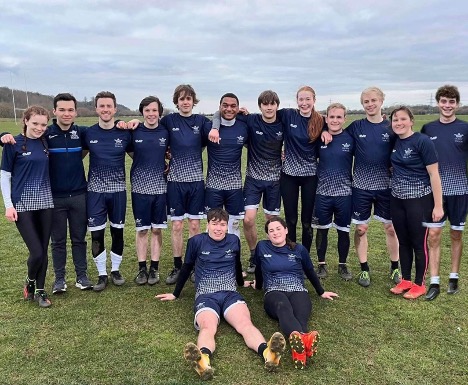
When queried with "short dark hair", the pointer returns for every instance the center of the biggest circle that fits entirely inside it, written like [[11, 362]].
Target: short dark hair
[[448, 91], [147, 101], [229, 95], [402, 108], [65, 97], [268, 97], [105, 94], [187, 90], [217, 214]]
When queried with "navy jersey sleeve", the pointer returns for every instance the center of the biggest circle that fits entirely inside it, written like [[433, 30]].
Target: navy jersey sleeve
[[428, 151], [189, 262], [8, 157]]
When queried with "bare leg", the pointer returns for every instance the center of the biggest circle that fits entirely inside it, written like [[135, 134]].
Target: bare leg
[[250, 228], [208, 323], [176, 238], [194, 227], [360, 242], [392, 242], [435, 235], [156, 244], [457, 249], [238, 317], [141, 242]]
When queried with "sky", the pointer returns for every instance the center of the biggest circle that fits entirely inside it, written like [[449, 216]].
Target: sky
[[136, 49]]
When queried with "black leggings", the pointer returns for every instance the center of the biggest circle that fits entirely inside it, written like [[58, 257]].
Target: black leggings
[[321, 243], [97, 238], [407, 217], [289, 186], [291, 308], [35, 227]]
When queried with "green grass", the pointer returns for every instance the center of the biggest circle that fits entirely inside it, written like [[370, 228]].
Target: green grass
[[124, 336]]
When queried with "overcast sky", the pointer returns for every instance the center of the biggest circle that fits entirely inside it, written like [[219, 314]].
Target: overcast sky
[[140, 48]]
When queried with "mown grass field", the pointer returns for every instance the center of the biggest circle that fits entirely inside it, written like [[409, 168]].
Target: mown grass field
[[124, 336]]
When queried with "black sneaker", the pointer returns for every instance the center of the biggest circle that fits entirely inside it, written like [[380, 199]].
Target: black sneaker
[[142, 277], [153, 277], [251, 268], [83, 283], [42, 298], [452, 286], [322, 271], [344, 272], [433, 292], [101, 284], [117, 278], [28, 290], [59, 286], [173, 276]]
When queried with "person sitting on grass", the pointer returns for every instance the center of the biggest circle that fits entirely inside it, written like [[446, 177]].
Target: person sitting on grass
[[215, 255], [280, 267]]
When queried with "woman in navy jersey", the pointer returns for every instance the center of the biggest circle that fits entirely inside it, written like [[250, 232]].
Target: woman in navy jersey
[[302, 128], [28, 197], [416, 199], [280, 268]]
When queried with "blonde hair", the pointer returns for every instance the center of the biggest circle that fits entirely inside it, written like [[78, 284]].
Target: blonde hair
[[377, 90], [336, 105], [314, 129]]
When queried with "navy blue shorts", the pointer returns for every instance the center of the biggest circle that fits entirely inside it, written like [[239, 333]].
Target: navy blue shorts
[[219, 303], [333, 211], [231, 200], [186, 200], [99, 206], [362, 205], [455, 210], [149, 211], [253, 191]]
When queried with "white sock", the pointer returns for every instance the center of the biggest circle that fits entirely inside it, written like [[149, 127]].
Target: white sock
[[100, 262], [435, 280], [453, 276], [233, 226], [116, 260]]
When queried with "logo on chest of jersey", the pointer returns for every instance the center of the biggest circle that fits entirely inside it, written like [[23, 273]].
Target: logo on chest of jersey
[[74, 135], [93, 141], [259, 132], [345, 147], [52, 136], [196, 130], [458, 138], [292, 257], [229, 253], [175, 129], [324, 146], [267, 255], [408, 153], [293, 125], [240, 140], [162, 142], [118, 142], [26, 153], [138, 140], [362, 135], [433, 137], [279, 135], [385, 137], [205, 252]]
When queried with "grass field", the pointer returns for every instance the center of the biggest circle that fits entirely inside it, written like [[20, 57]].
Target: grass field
[[124, 336]]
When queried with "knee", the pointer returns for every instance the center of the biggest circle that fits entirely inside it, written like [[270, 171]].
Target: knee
[[156, 232], [249, 221], [433, 238], [194, 226], [177, 226], [361, 230], [142, 234], [389, 230]]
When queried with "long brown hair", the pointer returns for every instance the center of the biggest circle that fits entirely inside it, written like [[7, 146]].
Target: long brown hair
[[291, 245], [315, 127], [27, 114]]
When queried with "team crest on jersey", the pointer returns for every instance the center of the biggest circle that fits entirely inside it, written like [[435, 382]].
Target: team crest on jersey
[[200, 305], [259, 132], [346, 147], [408, 153], [324, 146], [196, 130], [240, 139], [118, 142], [52, 136], [292, 257], [267, 255], [74, 135], [458, 138], [385, 137], [162, 142], [229, 253], [279, 135]]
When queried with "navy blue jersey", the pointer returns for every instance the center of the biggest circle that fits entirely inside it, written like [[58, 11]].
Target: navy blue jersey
[[264, 148], [335, 165], [67, 175], [300, 153], [106, 158], [215, 262], [185, 136], [149, 159], [283, 269], [224, 159], [374, 144], [409, 160], [30, 184], [451, 143]]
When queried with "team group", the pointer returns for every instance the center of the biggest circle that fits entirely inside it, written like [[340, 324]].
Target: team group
[[413, 181]]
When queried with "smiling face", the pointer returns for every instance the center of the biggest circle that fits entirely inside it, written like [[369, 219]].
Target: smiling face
[[65, 112], [229, 108], [217, 229], [185, 104], [277, 233], [335, 120], [372, 103], [106, 109], [269, 111], [305, 102], [402, 124], [447, 108], [151, 115], [35, 126]]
